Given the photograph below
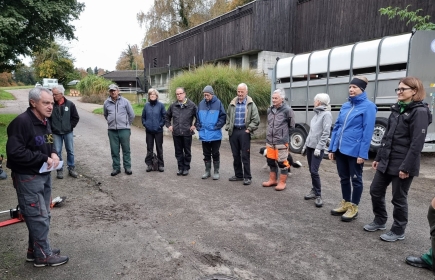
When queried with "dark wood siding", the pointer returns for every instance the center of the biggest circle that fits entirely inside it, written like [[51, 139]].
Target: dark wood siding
[[326, 23]]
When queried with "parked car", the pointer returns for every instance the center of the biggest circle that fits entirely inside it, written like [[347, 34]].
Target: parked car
[[38, 85], [49, 83], [73, 83]]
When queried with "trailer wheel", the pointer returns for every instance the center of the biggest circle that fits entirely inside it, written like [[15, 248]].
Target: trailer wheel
[[297, 139], [378, 134]]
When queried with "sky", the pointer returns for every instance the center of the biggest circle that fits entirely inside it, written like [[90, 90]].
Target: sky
[[104, 30]]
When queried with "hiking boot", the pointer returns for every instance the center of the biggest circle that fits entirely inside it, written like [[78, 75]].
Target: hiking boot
[[374, 227], [180, 172], [247, 181], [59, 174], [52, 260], [272, 180], [216, 166], [341, 209], [72, 172], [318, 201], [311, 195], [185, 172], [207, 170], [31, 257], [234, 178], [128, 171], [351, 213], [391, 236], [161, 169], [115, 172], [149, 168]]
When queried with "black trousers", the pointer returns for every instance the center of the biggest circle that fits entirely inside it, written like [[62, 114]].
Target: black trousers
[[240, 142], [400, 188], [313, 165], [150, 138], [431, 220], [183, 145], [211, 150]]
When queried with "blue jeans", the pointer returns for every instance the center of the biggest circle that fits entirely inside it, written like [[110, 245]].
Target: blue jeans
[[34, 196], [350, 173], [69, 146]]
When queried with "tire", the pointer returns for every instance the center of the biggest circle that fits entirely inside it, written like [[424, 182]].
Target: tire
[[378, 134], [297, 140]]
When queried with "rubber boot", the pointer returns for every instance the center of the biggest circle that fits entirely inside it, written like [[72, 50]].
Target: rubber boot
[[216, 165], [272, 180], [207, 169], [282, 182]]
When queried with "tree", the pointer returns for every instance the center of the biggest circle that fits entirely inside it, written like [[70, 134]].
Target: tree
[[24, 74], [130, 59], [89, 71], [29, 26], [53, 62], [420, 22], [6, 79], [236, 3], [96, 70]]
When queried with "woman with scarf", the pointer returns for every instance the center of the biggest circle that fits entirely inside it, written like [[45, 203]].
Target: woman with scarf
[[398, 159], [349, 146]]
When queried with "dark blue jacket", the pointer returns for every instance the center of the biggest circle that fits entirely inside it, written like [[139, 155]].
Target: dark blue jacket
[[153, 117], [211, 118], [354, 126]]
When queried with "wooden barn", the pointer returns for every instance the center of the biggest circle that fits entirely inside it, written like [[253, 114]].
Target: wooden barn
[[125, 78], [253, 35]]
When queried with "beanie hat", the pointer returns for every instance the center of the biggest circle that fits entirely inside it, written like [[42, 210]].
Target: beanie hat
[[359, 83], [208, 89]]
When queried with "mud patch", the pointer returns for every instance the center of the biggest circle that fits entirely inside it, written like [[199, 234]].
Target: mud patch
[[112, 213], [212, 260]]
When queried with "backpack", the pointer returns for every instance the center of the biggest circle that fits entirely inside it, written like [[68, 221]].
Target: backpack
[[155, 162]]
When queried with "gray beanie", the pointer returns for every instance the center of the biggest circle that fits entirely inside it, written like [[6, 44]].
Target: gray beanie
[[208, 89]]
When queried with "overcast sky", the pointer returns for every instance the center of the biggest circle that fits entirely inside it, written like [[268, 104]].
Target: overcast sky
[[104, 30]]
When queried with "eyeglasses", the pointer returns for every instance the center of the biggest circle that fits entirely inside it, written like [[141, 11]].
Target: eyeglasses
[[179, 93], [401, 89]]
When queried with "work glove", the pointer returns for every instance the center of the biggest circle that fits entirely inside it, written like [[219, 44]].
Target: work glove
[[317, 153], [304, 151]]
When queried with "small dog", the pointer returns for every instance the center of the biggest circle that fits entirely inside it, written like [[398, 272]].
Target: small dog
[[295, 164]]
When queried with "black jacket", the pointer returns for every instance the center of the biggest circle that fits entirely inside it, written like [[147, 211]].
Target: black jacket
[[64, 117], [29, 145], [404, 139], [181, 118]]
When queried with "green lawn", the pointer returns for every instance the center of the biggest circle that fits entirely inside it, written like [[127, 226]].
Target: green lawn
[[4, 95], [5, 119]]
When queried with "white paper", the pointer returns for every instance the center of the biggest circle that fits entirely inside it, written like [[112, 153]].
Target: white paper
[[44, 167]]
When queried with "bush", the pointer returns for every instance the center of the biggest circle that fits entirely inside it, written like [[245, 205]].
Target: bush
[[93, 85], [224, 81]]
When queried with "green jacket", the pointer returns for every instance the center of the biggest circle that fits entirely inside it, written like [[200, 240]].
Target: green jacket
[[252, 118]]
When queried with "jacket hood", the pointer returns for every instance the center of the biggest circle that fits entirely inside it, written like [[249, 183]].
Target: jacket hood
[[322, 108]]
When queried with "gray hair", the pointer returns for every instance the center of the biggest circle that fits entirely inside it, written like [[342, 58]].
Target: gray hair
[[323, 98], [60, 88], [156, 92], [281, 92], [243, 85], [35, 94]]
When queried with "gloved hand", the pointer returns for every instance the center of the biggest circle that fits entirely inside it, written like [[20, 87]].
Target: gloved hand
[[304, 151], [317, 153]]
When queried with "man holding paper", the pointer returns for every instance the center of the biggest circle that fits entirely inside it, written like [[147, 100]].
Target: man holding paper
[[29, 146]]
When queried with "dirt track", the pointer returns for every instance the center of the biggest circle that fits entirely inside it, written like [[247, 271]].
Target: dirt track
[[162, 226]]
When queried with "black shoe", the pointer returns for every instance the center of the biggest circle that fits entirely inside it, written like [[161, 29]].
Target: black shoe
[[128, 171], [149, 168], [319, 201], [115, 172], [311, 195], [180, 172], [234, 178], [31, 258], [417, 262], [53, 260], [161, 168], [185, 172], [246, 181]]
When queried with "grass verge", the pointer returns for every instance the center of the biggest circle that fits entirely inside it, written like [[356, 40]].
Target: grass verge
[[4, 95], [5, 119]]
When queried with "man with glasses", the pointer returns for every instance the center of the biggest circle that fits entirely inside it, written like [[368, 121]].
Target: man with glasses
[[63, 120], [119, 115], [179, 120]]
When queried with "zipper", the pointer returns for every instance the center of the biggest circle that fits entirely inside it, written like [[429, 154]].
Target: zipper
[[344, 125]]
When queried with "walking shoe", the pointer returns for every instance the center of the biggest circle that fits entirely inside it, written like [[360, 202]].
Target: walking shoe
[[391, 236], [234, 178], [115, 172], [149, 168], [161, 169], [351, 213], [311, 195], [341, 209], [318, 201], [417, 262], [59, 174], [31, 257], [72, 172], [246, 181], [52, 260], [374, 227], [128, 171], [180, 172], [185, 172]]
